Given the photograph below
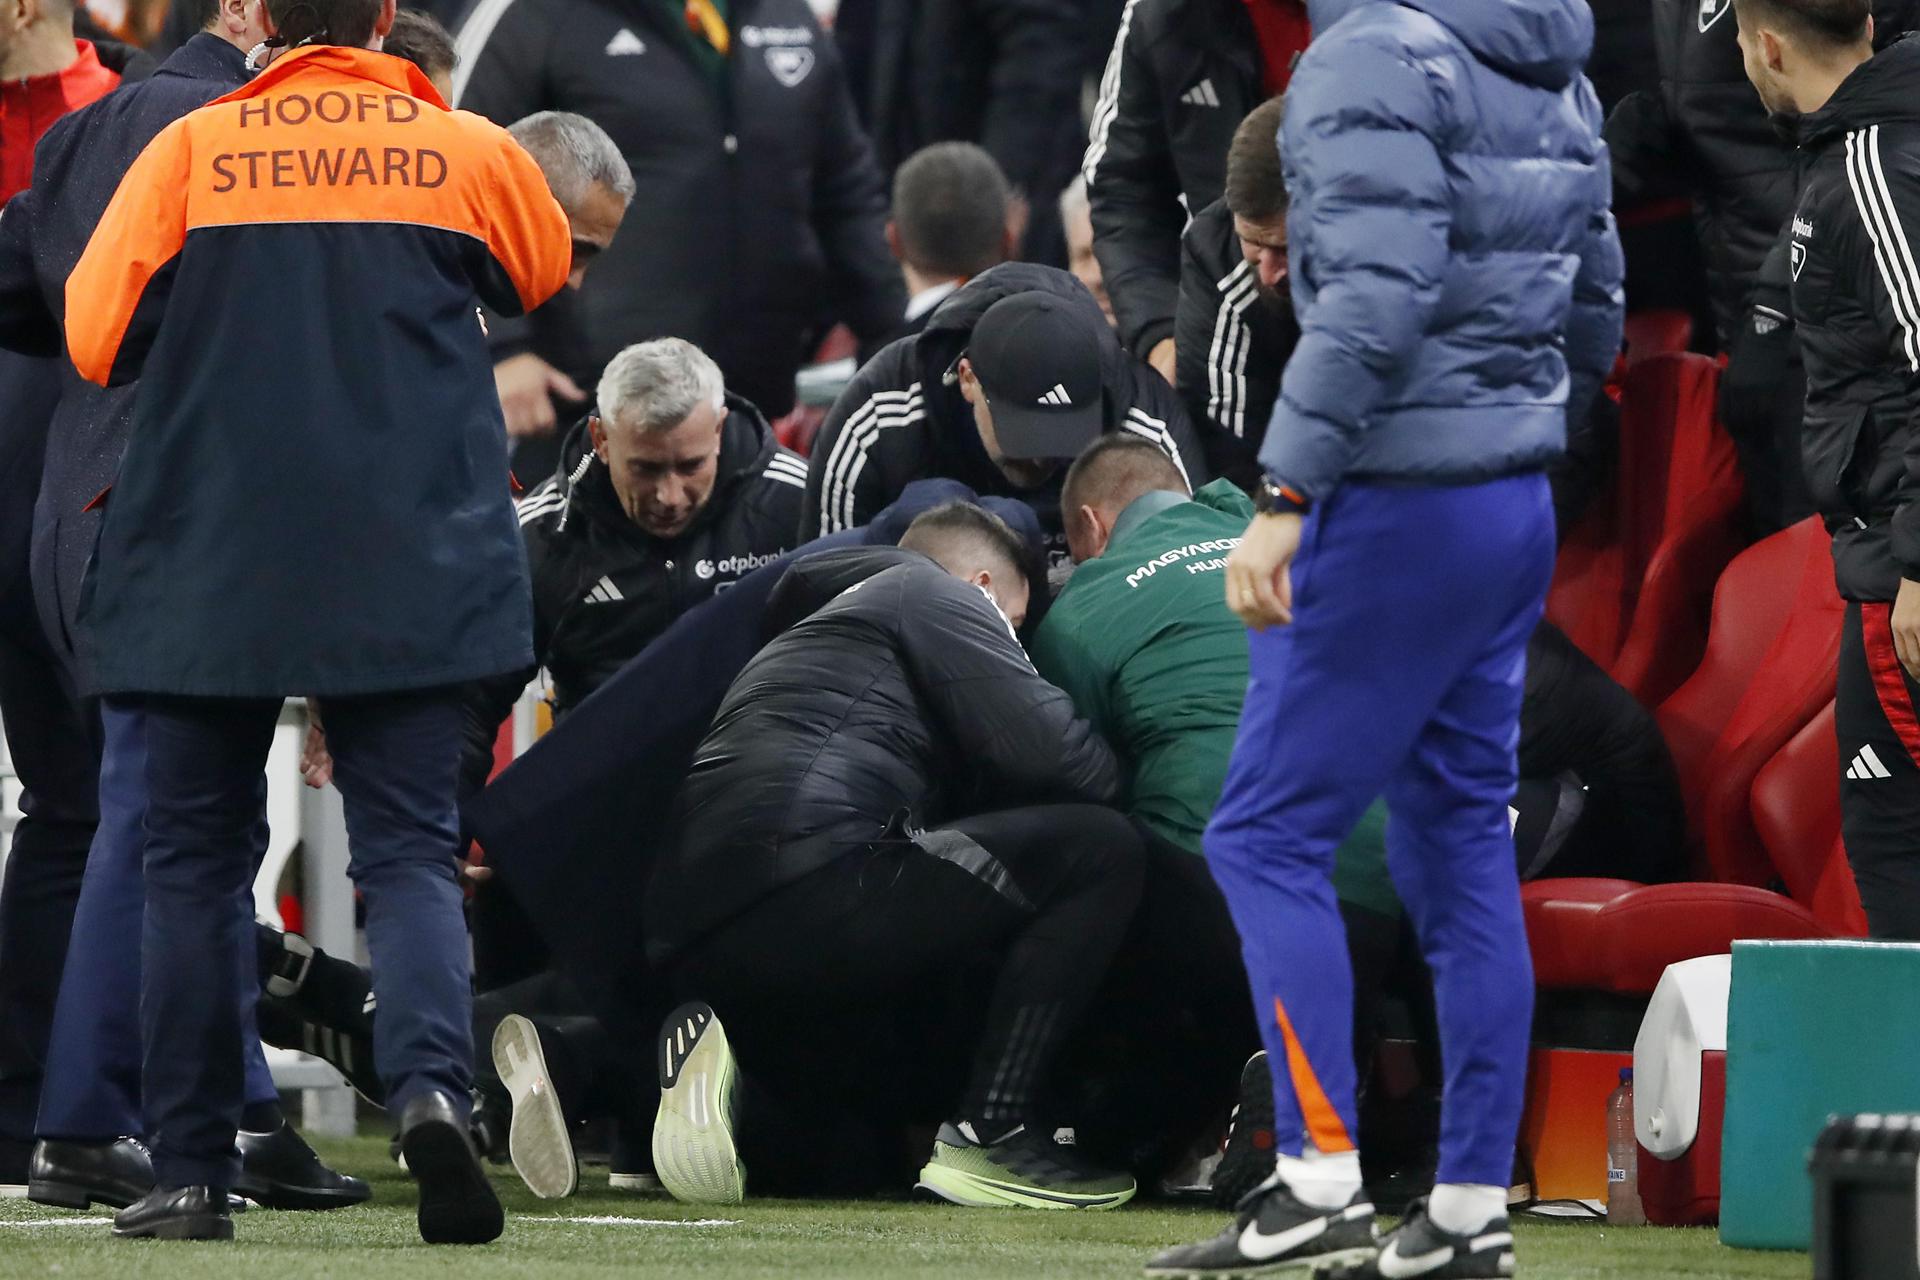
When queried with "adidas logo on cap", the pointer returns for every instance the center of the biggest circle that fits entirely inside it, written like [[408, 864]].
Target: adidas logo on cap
[[625, 42], [1057, 397]]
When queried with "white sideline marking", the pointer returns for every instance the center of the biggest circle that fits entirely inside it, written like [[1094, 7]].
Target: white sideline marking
[[56, 1222], [606, 1220]]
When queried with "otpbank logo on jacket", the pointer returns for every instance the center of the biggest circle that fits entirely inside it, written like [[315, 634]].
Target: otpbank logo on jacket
[[315, 496]]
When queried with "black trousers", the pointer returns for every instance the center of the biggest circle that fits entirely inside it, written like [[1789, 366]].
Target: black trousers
[[51, 743], [1879, 731], [852, 990]]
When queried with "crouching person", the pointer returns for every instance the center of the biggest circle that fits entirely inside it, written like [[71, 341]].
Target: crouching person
[[889, 795]]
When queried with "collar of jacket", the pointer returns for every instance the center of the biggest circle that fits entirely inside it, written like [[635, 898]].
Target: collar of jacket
[[746, 444], [1883, 89], [335, 62], [207, 57], [1140, 510]]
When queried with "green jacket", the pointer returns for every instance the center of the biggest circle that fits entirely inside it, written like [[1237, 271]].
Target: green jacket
[[1144, 642]]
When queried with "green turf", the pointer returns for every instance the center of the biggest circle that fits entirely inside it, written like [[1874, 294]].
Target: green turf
[[765, 1238]]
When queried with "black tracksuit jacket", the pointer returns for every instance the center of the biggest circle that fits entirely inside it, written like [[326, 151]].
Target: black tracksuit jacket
[[898, 421], [759, 212], [1704, 134], [1856, 306], [893, 698], [603, 588], [1182, 76]]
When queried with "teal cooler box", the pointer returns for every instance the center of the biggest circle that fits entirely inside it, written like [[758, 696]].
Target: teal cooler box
[[1814, 1029]]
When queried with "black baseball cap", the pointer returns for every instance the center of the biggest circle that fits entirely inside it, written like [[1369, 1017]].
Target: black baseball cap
[[1038, 359]]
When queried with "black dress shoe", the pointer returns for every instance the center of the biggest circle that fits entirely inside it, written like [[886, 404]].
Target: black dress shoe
[[279, 1170], [176, 1213], [79, 1175], [457, 1203]]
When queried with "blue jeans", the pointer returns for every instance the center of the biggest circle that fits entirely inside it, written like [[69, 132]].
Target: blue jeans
[[92, 1089], [1400, 676], [396, 762]]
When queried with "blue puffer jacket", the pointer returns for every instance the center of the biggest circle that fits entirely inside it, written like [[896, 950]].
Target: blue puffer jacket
[[1454, 266]]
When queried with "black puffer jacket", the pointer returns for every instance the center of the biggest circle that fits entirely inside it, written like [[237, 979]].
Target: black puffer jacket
[[894, 699], [603, 588], [1704, 134], [759, 211], [1856, 307], [1233, 343], [899, 421]]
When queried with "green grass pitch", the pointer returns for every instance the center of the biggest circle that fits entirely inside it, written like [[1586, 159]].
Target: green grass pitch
[[654, 1236]]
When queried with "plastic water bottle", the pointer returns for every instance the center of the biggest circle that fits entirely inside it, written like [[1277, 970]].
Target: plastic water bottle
[[1623, 1158]]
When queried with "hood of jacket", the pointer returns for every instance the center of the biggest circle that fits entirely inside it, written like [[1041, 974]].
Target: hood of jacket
[[747, 443], [817, 580], [1543, 42], [1880, 90]]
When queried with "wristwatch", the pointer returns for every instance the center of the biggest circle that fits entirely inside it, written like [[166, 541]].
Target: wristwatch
[[1279, 499]]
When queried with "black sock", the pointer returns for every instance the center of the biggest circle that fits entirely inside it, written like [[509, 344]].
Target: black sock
[[262, 1117]]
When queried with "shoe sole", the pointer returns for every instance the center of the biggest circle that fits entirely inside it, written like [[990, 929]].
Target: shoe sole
[[693, 1148], [457, 1204], [208, 1226], [71, 1195], [1323, 1266], [1243, 1165], [537, 1138], [956, 1186], [633, 1182], [287, 1198]]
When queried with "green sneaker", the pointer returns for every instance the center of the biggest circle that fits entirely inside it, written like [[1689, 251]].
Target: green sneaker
[[1020, 1171], [693, 1148]]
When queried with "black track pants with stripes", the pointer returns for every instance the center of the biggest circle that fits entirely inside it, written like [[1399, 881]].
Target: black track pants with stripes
[[1879, 730]]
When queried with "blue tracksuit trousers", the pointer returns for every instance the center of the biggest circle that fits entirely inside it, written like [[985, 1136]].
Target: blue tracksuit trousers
[[1400, 676]]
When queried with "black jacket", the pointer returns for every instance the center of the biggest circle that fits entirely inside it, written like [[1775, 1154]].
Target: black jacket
[[1002, 73], [1856, 306], [1704, 134], [603, 588], [1763, 396], [876, 713], [899, 421], [1233, 343], [1182, 76], [77, 167], [759, 212]]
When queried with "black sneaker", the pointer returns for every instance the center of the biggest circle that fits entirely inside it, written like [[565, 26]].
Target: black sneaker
[[1247, 1160], [1417, 1247], [1275, 1232]]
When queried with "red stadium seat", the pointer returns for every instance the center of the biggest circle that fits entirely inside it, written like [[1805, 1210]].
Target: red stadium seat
[[1657, 332], [1768, 669], [1796, 810], [1635, 577], [1767, 673]]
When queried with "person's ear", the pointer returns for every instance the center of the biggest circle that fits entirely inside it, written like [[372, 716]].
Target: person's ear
[[384, 23], [969, 381], [1096, 528], [1772, 52], [597, 432], [1010, 237], [894, 244]]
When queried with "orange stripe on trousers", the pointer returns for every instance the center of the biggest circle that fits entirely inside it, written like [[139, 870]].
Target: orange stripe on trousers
[[1324, 1126]]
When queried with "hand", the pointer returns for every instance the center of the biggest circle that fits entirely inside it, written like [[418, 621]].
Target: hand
[[1161, 358], [316, 762], [1259, 572], [526, 384], [474, 871], [1906, 626]]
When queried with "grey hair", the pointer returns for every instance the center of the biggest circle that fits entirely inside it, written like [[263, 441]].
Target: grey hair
[[575, 154], [655, 385]]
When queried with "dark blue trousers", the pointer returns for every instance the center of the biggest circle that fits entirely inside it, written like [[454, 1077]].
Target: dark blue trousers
[[92, 1092], [1401, 676], [396, 762], [53, 752]]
